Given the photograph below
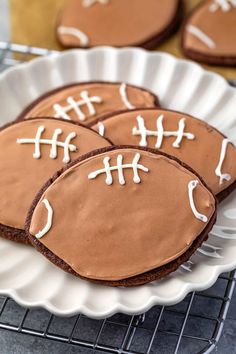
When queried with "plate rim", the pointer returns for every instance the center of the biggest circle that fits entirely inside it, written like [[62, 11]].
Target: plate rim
[[187, 287]]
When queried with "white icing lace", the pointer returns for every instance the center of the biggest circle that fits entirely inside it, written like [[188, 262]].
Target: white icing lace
[[37, 141], [201, 36], [224, 5], [124, 97], [61, 111], [48, 225], [119, 167], [75, 32], [101, 129], [191, 186], [160, 133], [223, 176]]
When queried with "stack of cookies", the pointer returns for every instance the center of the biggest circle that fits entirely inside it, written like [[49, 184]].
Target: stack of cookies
[[108, 185]]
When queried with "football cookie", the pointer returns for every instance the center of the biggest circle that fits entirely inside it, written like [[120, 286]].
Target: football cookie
[[85, 101], [121, 216], [209, 34], [30, 153], [191, 140], [119, 23]]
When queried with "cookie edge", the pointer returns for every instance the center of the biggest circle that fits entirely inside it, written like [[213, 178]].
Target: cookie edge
[[140, 279], [200, 57], [16, 234], [50, 93], [151, 42]]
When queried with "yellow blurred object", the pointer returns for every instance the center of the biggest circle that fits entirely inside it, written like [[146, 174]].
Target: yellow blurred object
[[34, 22]]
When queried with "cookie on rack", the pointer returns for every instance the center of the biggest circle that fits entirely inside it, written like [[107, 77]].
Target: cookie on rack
[[191, 140], [119, 23], [209, 34], [81, 102], [31, 152], [137, 231]]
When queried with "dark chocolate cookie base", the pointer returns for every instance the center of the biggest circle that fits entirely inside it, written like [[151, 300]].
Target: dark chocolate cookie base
[[28, 108], [15, 234], [138, 279], [209, 59]]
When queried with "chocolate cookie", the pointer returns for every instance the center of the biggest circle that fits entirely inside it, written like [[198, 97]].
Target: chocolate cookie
[[82, 102], [209, 34], [30, 153], [119, 23], [121, 216], [191, 140]]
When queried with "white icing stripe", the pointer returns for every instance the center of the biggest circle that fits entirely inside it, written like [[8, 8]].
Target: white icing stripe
[[120, 167], [37, 141], [48, 225], [87, 101], [160, 133], [60, 113], [107, 170], [75, 32], [74, 106], [224, 5], [53, 151], [101, 129], [195, 31], [69, 137], [88, 3], [191, 186], [36, 153], [180, 134], [218, 171], [124, 97]]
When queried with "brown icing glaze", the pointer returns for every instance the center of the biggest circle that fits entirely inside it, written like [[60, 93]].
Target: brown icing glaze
[[218, 25], [22, 175], [133, 227], [117, 23], [108, 92], [202, 153]]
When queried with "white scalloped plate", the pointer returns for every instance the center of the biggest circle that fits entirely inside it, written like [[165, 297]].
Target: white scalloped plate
[[181, 85]]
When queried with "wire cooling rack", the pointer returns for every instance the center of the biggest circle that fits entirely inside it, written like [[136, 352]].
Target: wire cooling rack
[[192, 326]]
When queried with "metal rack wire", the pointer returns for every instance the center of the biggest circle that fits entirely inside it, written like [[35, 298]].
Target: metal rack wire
[[192, 326]]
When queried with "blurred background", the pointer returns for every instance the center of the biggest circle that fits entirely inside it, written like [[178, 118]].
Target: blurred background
[[33, 22]]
